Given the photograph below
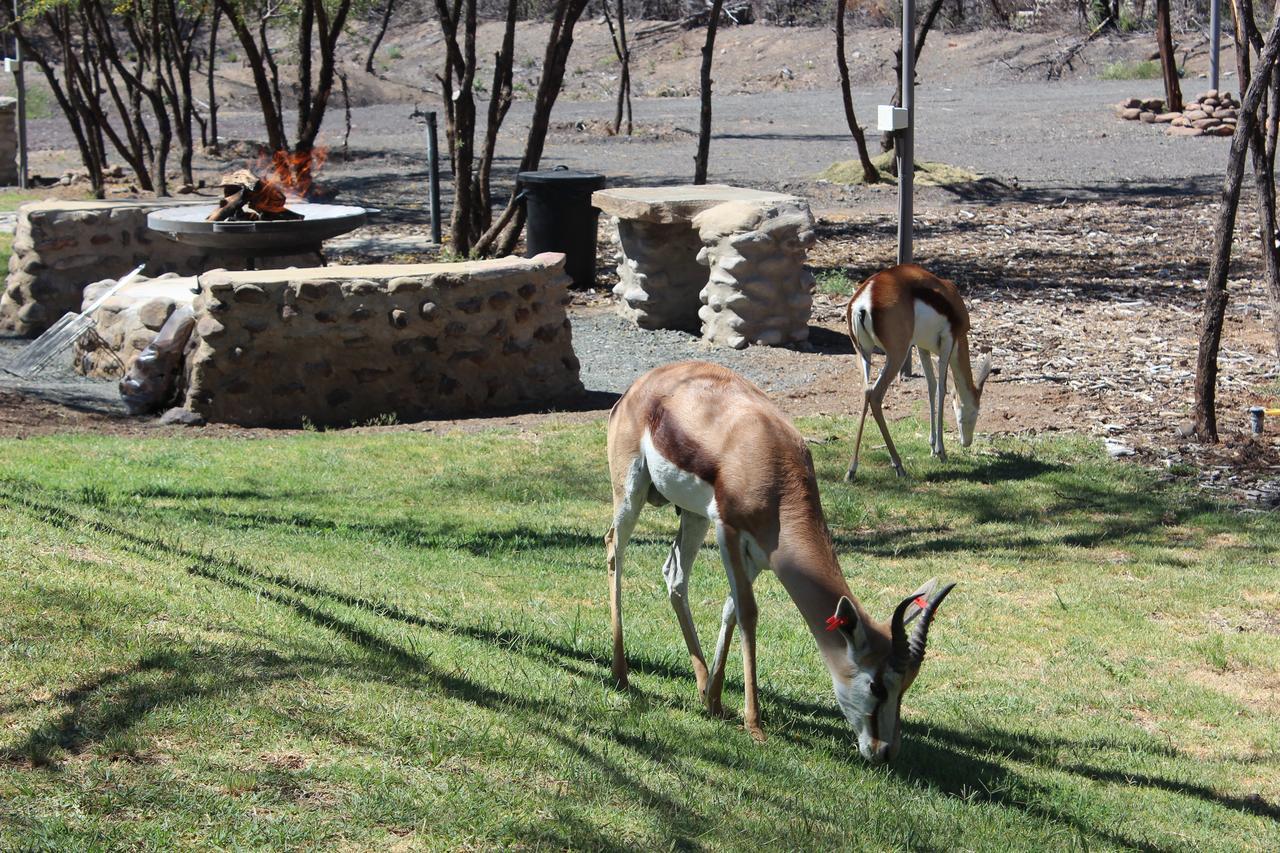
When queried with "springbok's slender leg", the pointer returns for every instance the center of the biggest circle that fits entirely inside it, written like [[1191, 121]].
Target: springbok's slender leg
[[926, 366], [715, 686], [628, 500], [693, 529], [739, 569], [747, 618], [944, 360], [876, 398], [866, 404]]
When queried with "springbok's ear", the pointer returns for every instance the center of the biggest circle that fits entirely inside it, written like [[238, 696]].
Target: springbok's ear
[[846, 621], [983, 373], [920, 598]]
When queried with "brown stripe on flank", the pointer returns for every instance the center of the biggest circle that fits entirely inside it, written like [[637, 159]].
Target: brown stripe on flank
[[678, 446], [937, 302]]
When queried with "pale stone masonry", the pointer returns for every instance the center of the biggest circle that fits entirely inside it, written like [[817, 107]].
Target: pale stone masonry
[[346, 345], [60, 247], [127, 322], [725, 261], [8, 142]]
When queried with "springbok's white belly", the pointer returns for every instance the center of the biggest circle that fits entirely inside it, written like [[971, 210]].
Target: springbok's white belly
[[683, 488]]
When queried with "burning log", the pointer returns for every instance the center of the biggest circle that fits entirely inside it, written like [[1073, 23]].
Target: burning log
[[246, 197]]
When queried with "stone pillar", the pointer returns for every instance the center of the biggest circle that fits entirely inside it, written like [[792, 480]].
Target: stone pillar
[[758, 291], [659, 276], [8, 142]]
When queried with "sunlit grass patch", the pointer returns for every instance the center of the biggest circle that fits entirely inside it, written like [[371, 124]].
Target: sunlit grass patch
[[335, 639]]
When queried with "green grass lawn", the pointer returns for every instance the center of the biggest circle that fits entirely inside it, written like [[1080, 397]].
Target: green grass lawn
[[402, 640]]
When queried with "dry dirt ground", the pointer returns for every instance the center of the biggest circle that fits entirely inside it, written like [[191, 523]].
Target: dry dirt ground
[[1089, 311], [1085, 281]]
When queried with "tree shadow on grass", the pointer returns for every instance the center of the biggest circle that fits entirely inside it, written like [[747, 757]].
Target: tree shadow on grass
[[934, 757], [1002, 467], [957, 771]]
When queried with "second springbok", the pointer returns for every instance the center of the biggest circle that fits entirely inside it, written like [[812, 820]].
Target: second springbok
[[899, 307], [702, 438]]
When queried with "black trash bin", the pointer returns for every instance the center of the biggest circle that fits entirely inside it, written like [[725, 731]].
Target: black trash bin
[[561, 218]]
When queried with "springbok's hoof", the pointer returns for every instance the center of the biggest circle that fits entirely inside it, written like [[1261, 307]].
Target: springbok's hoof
[[757, 733], [850, 474]]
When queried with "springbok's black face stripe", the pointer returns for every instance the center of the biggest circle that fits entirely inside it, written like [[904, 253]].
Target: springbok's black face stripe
[[882, 696]]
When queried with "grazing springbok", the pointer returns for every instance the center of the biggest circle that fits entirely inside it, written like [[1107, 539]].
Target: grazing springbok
[[704, 439], [906, 305]]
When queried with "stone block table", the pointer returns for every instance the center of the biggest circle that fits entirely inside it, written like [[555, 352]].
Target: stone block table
[[724, 261]]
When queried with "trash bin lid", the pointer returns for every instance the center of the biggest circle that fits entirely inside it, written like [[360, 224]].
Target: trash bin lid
[[567, 178]]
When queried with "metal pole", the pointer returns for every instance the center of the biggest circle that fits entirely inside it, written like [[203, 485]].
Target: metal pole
[[1215, 35], [433, 155], [21, 86], [906, 138]]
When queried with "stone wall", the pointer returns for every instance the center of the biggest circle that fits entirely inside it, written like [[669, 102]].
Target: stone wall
[[60, 247], [343, 345], [8, 142], [128, 322]]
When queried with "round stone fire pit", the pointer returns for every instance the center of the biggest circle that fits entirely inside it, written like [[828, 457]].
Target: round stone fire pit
[[319, 222]]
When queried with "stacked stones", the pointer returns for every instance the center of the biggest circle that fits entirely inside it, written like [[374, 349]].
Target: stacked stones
[[660, 276], [1213, 113], [59, 247], [724, 260], [758, 290], [343, 345], [128, 322]]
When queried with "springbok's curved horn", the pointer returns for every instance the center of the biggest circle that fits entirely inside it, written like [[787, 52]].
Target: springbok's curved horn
[[900, 651], [921, 633]]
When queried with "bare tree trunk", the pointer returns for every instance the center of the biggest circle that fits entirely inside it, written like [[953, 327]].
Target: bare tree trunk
[[623, 51], [1204, 412], [258, 61], [382, 32], [704, 124], [1168, 63], [888, 142], [870, 174], [499, 103], [502, 236], [213, 95]]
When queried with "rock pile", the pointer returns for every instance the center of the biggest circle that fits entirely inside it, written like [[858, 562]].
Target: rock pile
[[1213, 113]]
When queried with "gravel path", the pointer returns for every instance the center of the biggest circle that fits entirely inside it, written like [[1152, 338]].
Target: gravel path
[[59, 384], [614, 352], [1056, 139]]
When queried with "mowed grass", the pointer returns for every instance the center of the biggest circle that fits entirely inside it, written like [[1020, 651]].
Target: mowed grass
[[371, 640]]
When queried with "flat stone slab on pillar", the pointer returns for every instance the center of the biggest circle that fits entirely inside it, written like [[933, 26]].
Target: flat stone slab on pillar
[[726, 260]]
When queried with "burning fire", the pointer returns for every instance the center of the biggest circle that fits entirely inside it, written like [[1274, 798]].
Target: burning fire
[[292, 175], [279, 179]]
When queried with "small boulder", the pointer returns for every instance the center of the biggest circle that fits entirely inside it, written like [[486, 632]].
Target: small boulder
[[1133, 104], [1131, 113], [1185, 131], [1147, 117], [182, 417], [1165, 118], [1223, 130], [1155, 105]]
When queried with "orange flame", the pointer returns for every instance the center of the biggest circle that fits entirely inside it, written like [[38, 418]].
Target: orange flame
[[289, 176]]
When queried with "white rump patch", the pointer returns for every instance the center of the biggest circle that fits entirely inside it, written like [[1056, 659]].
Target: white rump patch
[[683, 488]]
